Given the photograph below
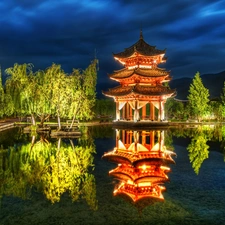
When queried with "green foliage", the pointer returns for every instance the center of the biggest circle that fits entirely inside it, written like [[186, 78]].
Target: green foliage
[[49, 92], [174, 109], [106, 107], [2, 96], [87, 97], [198, 97], [17, 86], [222, 97], [51, 168], [216, 110], [198, 151]]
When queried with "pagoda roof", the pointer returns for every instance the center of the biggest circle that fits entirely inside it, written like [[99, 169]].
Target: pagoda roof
[[118, 156], [139, 89], [136, 193], [140, 47], [136, 175], [125, 73]]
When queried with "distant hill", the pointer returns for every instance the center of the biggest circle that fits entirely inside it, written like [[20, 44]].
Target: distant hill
[[214, 82]]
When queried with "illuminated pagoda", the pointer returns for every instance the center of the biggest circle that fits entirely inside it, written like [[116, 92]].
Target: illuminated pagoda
[[142, 166], [142, 92]]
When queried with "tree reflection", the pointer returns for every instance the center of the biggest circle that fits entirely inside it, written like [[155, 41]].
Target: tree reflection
[[49, 167], [198, 148], [198, 151]]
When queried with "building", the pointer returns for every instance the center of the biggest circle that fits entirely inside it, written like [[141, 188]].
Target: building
[[143, 89]]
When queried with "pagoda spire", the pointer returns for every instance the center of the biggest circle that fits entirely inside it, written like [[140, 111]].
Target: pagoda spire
[[141, 34]]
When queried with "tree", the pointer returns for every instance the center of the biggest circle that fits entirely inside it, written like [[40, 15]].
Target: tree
[[198, 97], [222, 97], [216, 110], [2, 95], [57, 92], [198, 150], [174, 109], [82, 94], [20, 88]]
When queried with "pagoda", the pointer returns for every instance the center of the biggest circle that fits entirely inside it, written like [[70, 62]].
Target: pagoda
[[142, 166], [142, 90]]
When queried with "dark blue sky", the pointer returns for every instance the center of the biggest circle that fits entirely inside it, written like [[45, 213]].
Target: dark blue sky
[[69, 32]]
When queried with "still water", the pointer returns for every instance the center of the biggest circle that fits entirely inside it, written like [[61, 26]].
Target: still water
[[114, 176]]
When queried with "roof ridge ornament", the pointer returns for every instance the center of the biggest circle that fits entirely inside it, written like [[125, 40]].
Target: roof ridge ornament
[[141, 34]]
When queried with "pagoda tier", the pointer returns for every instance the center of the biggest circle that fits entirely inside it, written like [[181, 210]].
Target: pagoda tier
[[141, 54], [140, 174], [137, 193], [140, 92], [141, 75], [121, 156]]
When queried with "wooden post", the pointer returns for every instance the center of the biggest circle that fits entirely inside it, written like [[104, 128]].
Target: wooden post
[[152, 112], [152, 139], [124, 112], [117, 111], [131, 113], [160, 111], [144, 112], [127, 111]]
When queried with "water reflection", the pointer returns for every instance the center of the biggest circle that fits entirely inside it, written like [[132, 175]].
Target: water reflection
[[143, 161], [50, 167], [200, 138]]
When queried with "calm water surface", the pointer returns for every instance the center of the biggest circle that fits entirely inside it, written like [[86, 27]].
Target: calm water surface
[[66, 181]]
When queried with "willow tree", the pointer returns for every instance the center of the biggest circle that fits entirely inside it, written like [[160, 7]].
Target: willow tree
[[57, 91], [43, 95], [198, 97], [20, 86], [83, 92]]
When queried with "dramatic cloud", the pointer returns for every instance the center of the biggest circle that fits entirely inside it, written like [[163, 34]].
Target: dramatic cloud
[[72, 32]]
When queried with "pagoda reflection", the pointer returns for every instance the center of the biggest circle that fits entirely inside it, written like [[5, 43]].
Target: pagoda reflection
[[142, 166]]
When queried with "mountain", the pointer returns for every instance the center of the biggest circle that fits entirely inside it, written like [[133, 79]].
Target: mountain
[[213, 82]]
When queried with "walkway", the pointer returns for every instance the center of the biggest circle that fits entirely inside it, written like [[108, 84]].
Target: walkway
[[6, 124]]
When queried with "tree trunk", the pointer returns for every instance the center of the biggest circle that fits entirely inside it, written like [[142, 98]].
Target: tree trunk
[[33, 121], [59, 123], [43, 118], [74, 115]]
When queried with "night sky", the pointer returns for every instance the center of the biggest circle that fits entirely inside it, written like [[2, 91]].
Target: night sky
[[71, 33]]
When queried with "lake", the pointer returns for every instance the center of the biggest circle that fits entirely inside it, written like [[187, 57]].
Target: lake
[[114, 176]]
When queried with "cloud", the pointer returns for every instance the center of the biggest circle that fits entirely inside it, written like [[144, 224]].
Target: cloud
[[71, 32]]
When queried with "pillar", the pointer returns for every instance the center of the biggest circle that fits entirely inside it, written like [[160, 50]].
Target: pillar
[[127, 111], [152, 139], [160, 111], [135, 112], [143, 139], [131, 112], [144, 112], [152, 112], [117, 111], [124, 112], [123, 137], [161, 140], [117, 137]]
